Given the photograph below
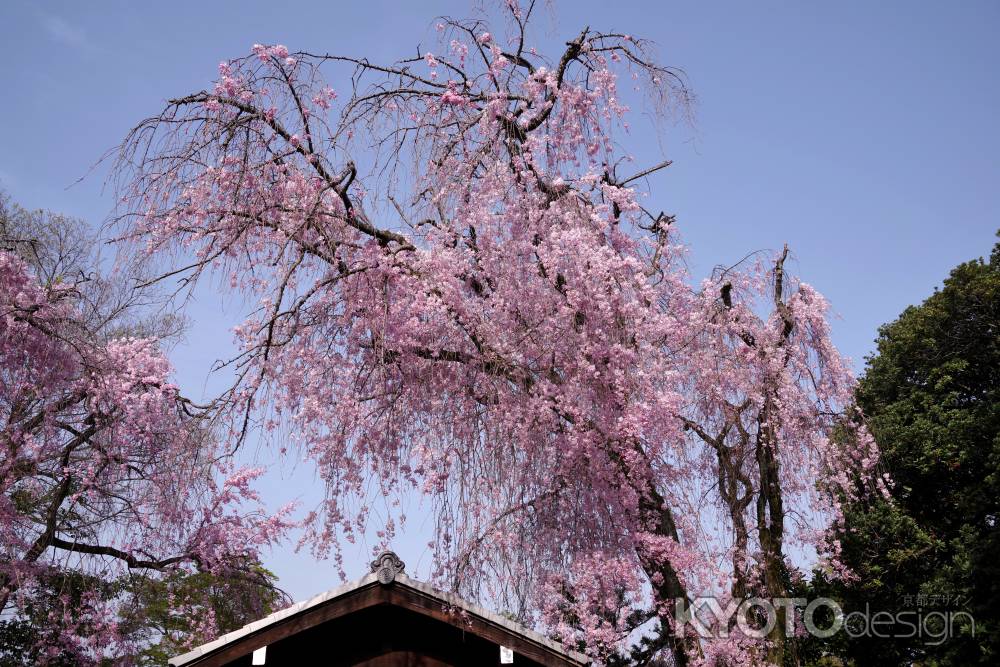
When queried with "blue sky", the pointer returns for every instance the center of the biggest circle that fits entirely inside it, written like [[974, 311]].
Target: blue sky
[[862, 134]]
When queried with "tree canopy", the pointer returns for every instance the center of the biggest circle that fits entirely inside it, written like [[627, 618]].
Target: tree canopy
[[106, 468], [460, 291], [931, 394]]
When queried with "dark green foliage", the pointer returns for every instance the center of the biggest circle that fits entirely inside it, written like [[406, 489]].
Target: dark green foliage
[[164, 612], [931, 395]]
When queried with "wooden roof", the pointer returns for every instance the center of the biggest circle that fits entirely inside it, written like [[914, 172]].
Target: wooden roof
[[385, 618]]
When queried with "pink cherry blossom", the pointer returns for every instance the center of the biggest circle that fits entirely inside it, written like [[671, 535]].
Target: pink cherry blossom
[[462, 298], [105, 467]]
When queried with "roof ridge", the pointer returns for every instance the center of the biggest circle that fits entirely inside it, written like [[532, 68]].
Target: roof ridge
[[379, 576]]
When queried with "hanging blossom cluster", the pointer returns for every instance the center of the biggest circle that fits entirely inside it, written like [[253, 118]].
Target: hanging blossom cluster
[[103, 467], [459, 292]]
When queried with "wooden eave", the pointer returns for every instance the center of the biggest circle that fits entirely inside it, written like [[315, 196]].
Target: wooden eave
[[402, 592]]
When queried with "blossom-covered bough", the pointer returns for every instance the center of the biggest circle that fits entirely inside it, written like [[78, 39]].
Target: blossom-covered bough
[[460, 291], [104, 468]]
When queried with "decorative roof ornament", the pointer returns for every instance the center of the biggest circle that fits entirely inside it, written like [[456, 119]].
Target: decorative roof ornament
[[387, 566]]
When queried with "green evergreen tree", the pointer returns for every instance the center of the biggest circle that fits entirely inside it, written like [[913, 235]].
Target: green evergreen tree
[[931, 394]]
